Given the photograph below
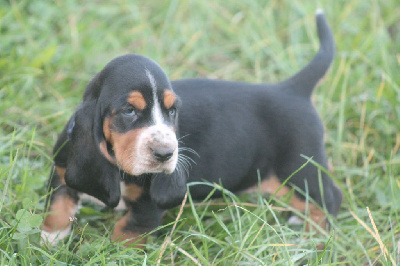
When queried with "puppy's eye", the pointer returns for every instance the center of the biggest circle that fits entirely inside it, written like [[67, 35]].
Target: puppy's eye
[[172, 112], [130, 111]]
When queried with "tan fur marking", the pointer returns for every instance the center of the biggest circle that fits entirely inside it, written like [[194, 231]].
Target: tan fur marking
[[107, 135], [137, 100], [61, 209], [106, 128], [169, 99], [104, 151], [61, 173], [271, 185], [124, 146], [132, 192], [120, 234], [317, 216]]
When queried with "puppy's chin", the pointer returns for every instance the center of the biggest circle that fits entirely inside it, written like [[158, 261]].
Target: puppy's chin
[[166, 168], [169, 171]]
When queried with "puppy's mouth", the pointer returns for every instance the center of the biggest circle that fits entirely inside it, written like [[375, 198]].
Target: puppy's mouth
[[145, 160], [157, 161]]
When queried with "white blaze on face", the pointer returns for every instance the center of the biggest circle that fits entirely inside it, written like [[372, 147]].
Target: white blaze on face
[[156, 136], [156, 113]]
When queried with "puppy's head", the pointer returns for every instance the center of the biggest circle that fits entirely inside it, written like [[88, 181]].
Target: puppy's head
[[138, 117], [133, 124]]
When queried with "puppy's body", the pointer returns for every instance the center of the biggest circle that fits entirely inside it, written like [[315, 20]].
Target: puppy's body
[[123, 141], [250, 128]]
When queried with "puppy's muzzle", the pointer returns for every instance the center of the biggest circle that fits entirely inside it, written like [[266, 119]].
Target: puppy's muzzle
[[159, 148], [162, 144]]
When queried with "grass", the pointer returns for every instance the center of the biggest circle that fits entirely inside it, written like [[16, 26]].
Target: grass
[[51, 49]]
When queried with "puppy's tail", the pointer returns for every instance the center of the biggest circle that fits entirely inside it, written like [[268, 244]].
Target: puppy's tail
[[303, 82]]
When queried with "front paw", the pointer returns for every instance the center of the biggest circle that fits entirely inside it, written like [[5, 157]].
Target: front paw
[[54, 237]]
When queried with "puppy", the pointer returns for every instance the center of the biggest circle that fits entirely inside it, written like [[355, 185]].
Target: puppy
[[139, 137]]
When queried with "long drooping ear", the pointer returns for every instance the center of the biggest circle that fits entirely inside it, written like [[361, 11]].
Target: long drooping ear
[[93, 93], [87, 169], [168, 191]]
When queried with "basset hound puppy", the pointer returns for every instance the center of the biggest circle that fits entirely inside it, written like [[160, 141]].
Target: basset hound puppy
[[138, 137]]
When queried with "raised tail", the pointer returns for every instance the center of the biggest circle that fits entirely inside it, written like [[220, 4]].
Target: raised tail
[[303, 82]]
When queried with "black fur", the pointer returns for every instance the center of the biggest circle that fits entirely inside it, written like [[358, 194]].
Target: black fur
[[236, 130]]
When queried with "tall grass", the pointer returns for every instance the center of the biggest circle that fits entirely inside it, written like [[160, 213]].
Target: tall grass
[[49, 50]]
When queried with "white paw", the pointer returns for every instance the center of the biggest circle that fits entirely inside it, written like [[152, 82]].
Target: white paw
[[53, 237], [295, 220]]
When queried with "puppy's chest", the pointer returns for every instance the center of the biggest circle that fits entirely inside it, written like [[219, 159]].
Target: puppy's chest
[[130, 191]]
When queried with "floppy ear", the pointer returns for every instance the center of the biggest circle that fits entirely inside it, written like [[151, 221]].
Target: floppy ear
[[168, 191], [88, 170]]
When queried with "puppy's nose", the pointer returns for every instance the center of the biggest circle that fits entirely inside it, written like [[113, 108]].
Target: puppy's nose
[[163, 154]]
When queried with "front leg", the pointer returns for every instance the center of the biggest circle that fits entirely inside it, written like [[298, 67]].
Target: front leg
[[62, 206], [142, 217]]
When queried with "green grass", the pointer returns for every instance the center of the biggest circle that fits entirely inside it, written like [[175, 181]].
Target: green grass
[[49, 50]]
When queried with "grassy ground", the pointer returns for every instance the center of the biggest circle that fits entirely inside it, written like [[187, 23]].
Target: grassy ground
[[51, 49]]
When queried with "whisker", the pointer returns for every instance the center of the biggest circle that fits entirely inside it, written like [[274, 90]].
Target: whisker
[[185, 164], [182, 160], [182, 167], [122, 173], [179, 169], [188, 158], [189, 150], [183, 137]]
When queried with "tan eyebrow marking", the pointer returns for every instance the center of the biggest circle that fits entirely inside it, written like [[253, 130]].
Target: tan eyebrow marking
[[169, 99], [137, 100]]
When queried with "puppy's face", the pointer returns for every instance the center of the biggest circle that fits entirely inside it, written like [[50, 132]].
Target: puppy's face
[[140, 120]]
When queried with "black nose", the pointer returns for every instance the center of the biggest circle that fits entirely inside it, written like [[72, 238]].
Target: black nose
[[163, 154]]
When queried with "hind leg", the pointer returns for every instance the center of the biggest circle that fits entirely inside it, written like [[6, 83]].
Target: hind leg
[[319, 186], [62, 206]]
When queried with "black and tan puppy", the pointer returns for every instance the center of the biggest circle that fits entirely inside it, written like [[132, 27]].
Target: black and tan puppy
[[123, 141]]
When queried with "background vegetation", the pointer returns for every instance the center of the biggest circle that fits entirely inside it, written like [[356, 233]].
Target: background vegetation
[[49, 50]]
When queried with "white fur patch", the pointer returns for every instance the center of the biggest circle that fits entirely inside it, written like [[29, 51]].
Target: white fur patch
[[54, 237], [156, 113], [295, 220], [152, 80]]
